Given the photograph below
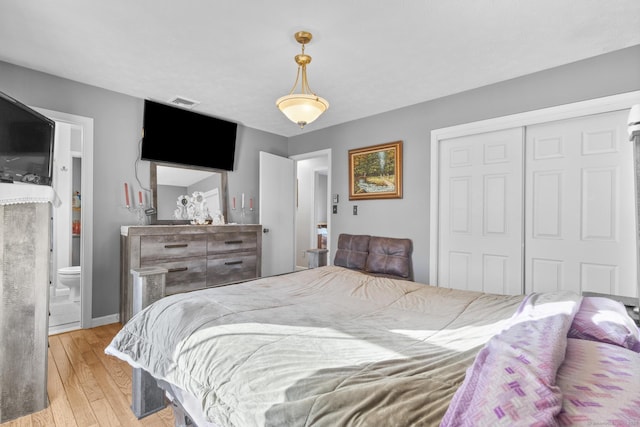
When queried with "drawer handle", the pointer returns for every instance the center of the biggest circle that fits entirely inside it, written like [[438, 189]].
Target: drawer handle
[[177, 245], [232, 242], [175, 270], [233, 262]]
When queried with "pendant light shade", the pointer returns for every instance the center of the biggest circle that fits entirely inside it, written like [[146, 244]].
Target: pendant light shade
[[304, 107]]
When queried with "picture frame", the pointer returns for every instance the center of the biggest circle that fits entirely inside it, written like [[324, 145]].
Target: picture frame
[[375, 172]]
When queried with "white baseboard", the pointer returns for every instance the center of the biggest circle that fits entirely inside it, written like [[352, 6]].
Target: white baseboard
[[68, 327], [105, 320]]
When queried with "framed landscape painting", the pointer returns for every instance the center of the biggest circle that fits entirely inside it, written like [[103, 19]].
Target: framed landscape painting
[[375, 172]]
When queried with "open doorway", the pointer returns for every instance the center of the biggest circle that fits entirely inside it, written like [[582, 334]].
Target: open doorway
[[72, 222], [312, 219]]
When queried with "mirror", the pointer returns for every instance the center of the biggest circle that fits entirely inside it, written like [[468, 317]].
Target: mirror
[[170, 181]]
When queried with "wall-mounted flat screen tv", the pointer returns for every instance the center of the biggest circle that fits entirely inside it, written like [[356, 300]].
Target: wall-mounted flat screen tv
[[175, 135], [26, 143]]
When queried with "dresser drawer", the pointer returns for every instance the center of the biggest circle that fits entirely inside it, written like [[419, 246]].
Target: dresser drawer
[[226, 268], [197, 255], [172, 246], [232, 242], [184, 275]]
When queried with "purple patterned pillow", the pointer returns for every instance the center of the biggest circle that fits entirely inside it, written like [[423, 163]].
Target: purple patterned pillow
[[599, 384], [605, 320]]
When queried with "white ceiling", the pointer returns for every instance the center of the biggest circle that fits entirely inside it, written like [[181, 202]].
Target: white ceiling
[[369, 56]]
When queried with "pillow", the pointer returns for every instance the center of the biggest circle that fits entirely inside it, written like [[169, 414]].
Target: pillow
[[599, 384], [390, 256], [352, 251], [605, 320]]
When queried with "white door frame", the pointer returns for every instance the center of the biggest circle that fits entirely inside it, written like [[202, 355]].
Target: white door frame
[[314, 222], [86, 237], [311, 155], [560, 112]]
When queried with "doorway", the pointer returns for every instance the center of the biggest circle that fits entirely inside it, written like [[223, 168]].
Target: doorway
[[279, 209], [72, 224], [313, 176]]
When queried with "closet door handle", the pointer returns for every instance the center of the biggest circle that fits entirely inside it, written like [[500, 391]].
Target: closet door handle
[[232, 262], [177, 269], [176, 245], [232, 242]]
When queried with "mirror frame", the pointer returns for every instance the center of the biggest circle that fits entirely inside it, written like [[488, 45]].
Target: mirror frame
[[153, 182]]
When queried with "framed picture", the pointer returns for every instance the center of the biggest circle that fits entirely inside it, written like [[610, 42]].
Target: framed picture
[[376, 172]]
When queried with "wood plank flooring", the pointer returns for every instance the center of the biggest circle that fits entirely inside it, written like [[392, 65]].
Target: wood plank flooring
[[86, 387]]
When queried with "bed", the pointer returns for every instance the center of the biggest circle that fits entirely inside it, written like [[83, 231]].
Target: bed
[[360, 343]]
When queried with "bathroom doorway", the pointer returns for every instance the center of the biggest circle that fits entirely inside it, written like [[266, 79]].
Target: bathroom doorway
[[65, 277], [71, 242]]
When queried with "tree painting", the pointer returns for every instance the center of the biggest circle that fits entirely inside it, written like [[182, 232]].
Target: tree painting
[[375, 172]]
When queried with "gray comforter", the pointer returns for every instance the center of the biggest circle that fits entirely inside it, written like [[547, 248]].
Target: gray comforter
[[323, 347]]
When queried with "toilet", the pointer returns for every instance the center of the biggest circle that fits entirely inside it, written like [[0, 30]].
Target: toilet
[[70, 277]]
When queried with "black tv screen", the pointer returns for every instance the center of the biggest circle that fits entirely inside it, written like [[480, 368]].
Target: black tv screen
[[175, 135], [26, 143]]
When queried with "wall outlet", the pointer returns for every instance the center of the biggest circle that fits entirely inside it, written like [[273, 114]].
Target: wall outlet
[[335, 209], [355, 210]]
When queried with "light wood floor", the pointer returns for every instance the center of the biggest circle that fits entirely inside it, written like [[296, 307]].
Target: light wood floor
[[86, 387]]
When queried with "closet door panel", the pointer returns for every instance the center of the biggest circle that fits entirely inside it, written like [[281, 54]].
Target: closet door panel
[[546, 217], [481, 206], [580, 229]]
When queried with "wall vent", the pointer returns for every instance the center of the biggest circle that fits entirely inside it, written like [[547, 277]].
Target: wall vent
[[183, 102]]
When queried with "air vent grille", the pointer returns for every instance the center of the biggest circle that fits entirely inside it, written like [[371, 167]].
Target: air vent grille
[[183, 102]]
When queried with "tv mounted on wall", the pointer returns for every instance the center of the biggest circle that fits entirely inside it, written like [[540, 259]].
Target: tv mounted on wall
[[26, 143], [175, 135]]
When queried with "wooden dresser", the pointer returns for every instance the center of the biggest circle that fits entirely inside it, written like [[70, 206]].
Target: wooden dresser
[[197, 256]]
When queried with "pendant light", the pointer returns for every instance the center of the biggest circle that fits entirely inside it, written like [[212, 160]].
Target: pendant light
[[304, 107]]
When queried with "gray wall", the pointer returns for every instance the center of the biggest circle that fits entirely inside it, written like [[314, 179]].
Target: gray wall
[[118, 124], [117, 131], [245, 177], [609, 74]]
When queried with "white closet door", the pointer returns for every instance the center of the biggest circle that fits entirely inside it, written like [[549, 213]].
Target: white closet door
[[580, 228], [480, 211]]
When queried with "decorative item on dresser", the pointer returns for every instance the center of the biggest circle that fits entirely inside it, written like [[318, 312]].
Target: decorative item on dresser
[[196, 256]]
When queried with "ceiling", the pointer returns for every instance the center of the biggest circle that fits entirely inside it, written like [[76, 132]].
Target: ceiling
[[369, 56]]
